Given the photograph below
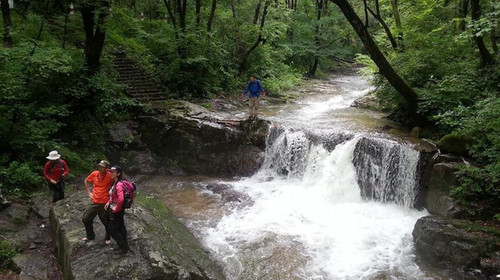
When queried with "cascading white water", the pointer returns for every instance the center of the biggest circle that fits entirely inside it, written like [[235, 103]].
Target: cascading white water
[[302, 216], [308, 206], [387, 170]]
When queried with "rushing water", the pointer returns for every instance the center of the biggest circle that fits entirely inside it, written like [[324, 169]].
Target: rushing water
[[302, 216]]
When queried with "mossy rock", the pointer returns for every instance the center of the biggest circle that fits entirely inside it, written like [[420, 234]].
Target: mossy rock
[[455, 144]]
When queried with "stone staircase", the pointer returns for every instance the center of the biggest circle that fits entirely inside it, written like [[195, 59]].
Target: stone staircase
[[140, 86]]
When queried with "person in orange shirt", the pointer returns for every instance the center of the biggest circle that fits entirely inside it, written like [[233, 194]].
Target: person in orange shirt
[[101, 181]]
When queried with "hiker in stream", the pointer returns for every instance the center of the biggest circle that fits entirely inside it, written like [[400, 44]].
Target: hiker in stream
[[101, 183], [116, 211], [55, 171], [254, 89]]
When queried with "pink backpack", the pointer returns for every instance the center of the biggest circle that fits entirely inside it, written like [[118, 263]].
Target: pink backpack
[[128, 193]]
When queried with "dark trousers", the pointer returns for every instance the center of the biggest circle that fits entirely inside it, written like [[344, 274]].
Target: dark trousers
[[57, 191], [117, 229], [88, 219]]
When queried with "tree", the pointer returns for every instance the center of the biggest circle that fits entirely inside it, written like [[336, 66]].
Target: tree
[[7, 23], [212, 16], [378, 17], [177, 13], [94, 14], [260, 38], [486, 57], [320, 6], [463, 7], [385, 68]]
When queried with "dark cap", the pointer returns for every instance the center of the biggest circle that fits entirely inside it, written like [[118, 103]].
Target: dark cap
[[116, 169]]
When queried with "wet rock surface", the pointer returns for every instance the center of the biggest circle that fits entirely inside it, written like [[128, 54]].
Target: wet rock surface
[[160, 249], [438, 200], [193, 140], [469, 250], [25, 228]]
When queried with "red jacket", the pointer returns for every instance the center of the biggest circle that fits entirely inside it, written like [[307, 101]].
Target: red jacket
[[55, 173], [116, 197]]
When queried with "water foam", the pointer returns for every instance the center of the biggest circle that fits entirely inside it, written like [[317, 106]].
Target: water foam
[[316, 208]]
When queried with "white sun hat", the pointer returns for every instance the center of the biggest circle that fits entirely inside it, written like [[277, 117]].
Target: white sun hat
[[54, 155]]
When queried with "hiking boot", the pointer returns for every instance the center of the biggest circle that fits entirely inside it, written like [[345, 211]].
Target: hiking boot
[[120, 252]]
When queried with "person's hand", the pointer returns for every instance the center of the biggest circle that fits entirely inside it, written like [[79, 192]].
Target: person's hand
[[106, 206], [113, 207], [90, 195], [53, 181]]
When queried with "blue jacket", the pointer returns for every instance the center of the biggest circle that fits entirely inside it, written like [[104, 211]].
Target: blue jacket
[[254, 88]]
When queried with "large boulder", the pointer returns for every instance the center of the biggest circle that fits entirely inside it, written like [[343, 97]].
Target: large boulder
[[466, 248], [194, 140], [438, 200], [161, 247]]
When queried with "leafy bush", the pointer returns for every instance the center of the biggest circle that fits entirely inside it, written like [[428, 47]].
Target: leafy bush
[[20, 177], [6, 255]]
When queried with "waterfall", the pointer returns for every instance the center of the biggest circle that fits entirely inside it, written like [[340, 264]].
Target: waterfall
[[311, 219], [386, 170]]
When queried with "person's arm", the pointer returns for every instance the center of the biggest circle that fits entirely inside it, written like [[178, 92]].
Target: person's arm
[[247, 89], [117, 205], [87, 184], [261, 89], [66, 169]]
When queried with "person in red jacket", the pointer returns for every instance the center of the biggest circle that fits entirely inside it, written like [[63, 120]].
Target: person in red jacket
[[101, 183], [116, 224], [55, 171]]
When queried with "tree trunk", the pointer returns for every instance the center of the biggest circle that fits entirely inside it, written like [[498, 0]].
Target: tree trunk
[[493, 37], [7, 24], [486, 57], [212, 16], [462, 13], [495, 32], [233, 9], [257, 13], [385, 68], [94, 32], [181, 9], [198, 11], [317, 40], [387, 30], [397, 21], [244, 60]]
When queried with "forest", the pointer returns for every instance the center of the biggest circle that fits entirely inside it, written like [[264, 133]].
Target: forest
[[435, 64]]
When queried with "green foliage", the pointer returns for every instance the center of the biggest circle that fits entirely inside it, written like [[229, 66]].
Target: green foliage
[[19, 177], [477, 185], [483, 126], [7, 252]]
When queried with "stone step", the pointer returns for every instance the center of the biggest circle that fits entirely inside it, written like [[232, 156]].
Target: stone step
[[139, 84]]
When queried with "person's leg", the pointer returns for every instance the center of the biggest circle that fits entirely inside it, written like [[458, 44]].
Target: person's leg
[[252, 107], [123, 230], [103, 216], [53, 192], [256, 106], [115, 221], [61, 189], [88, 220]]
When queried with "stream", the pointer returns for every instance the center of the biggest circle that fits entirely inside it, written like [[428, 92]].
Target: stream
[[302, 215]]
